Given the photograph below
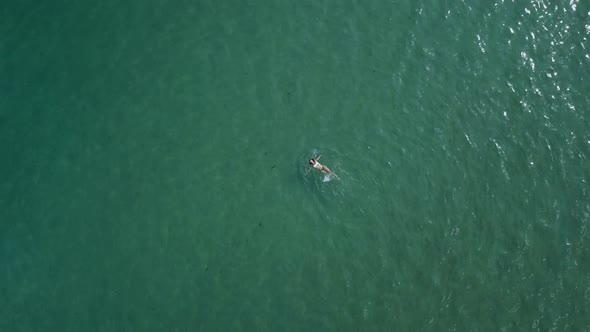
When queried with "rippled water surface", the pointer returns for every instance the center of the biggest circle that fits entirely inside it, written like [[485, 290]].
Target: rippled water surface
[[155, 157]]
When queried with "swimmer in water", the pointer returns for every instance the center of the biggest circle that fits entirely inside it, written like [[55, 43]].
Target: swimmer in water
[[314, 163]]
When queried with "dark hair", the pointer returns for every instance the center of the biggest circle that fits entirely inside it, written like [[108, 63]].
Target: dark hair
[[311, 160]]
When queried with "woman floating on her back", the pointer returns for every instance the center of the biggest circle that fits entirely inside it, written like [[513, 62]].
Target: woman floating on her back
[[314, 163]]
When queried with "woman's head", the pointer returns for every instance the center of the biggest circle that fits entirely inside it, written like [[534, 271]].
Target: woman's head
[[312, 162]]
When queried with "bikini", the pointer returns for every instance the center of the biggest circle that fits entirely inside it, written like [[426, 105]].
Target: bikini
[[318, 166]]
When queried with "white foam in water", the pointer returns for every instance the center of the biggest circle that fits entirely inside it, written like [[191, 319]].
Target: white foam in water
[[329, 177]]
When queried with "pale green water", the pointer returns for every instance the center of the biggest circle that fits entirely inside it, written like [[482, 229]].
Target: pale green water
[[154, 158]]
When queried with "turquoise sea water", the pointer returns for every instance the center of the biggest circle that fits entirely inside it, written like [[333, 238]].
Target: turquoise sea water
[[154, 158]]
